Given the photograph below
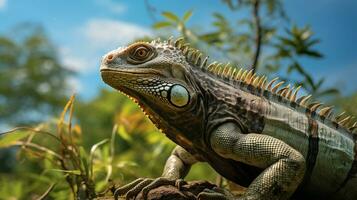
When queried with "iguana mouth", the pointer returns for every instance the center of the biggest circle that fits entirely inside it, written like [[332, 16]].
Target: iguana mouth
[[241, 123], [141, 72]]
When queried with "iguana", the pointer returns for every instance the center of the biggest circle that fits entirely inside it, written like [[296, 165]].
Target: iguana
[[255, 133]]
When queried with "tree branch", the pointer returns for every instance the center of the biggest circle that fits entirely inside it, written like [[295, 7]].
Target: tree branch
[[151, 10], [258, 34]]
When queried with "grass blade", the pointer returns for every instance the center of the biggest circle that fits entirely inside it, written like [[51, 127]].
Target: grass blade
[[94, 147]]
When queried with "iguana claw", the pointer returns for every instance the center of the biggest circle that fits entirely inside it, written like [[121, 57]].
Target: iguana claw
[[132, 189], [215, 194], [160, 182]]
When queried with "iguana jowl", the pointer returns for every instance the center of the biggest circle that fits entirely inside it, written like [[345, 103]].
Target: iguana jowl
[[254, 133]]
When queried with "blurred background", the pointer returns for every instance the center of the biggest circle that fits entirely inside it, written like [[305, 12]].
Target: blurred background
[[50, 50]]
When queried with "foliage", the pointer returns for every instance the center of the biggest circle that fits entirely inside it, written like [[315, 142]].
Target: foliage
[[65, 166], [32, 79], [348, 104], [139, 142], [259, 39], [289, 49]]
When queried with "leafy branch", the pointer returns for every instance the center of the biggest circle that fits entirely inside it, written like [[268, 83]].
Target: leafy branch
[[282, 51]]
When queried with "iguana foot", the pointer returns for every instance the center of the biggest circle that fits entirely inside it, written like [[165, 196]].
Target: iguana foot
[[215, 194], [144, 185]]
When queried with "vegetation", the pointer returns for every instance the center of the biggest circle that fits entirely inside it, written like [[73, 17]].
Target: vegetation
[[256, 42], [105, 141], [32, 79]]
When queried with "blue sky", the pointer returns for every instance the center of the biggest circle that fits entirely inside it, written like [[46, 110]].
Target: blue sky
[[84, 30]]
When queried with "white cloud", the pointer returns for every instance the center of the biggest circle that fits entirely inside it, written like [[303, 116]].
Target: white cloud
[[95, 38], [3, 4], [74, 84], [112, 6], [107, 33], [73, 62]]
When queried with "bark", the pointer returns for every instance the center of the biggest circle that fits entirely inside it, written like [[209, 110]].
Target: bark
[[258, 35]]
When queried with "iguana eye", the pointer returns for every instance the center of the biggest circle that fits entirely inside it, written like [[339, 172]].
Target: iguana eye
[[140, 53]]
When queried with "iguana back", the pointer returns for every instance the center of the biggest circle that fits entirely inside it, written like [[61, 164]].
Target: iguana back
[[189, 99]]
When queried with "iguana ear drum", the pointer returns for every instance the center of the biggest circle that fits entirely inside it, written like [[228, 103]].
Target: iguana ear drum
[[178, 96]]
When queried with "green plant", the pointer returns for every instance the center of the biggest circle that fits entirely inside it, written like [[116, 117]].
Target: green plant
[[32, 78], [259, 41], [62, 159]]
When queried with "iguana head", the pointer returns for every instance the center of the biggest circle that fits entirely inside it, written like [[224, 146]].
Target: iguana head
[[157, 76]]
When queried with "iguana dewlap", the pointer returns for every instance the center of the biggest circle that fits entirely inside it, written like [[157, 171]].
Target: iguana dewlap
[[254, 133]]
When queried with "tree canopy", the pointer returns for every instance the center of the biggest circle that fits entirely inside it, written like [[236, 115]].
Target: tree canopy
[[33, 81]]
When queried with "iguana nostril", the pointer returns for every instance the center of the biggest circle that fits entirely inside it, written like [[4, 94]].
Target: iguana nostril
[[239, 122], [110, 57]]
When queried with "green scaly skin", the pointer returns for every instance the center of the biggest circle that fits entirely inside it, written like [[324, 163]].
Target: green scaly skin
[[253, 133]]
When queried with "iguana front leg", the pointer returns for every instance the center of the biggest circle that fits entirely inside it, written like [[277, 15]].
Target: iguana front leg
[[176, 168], [284, 166], [178, 164]]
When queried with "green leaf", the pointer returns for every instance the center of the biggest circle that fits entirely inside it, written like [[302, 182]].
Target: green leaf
[[126, 164], [312, 42], [171, 16], [290, 69], [210, 38], [162, 24], [271, 5], [287, 41], [310, 82], [124, 134], [84, 160], [187, 15], [229, 3], [45, 178], [219, 16], [320, 82], [91, 155], [331, 91], [313, 53], [75, 172], [10, 138]]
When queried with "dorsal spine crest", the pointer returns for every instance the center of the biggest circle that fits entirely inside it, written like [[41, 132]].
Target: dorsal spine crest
[[242, 77]]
